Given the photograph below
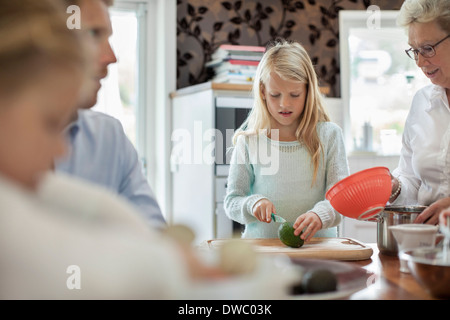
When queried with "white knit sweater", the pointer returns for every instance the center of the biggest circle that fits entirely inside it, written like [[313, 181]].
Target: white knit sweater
[[283, 172]]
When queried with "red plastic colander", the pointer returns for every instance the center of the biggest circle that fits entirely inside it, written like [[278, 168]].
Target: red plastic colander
[[362, 194]]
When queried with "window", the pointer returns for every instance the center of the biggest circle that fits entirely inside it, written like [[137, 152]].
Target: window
[[378, 82], [118, 96]]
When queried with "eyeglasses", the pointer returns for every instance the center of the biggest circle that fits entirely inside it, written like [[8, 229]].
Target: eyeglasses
[[427, 51]]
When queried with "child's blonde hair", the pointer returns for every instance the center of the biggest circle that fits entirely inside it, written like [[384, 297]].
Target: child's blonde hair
[[290, 61]]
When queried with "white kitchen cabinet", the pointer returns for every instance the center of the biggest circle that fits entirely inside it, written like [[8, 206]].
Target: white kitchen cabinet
[[198, 178]]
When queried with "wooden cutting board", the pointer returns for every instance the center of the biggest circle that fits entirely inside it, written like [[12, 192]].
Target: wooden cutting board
[[318, 248]]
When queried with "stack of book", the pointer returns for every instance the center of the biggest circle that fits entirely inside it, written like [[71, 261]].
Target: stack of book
[[235, 64]]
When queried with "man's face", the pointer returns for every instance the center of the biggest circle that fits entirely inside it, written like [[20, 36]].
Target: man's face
[[96, 24]]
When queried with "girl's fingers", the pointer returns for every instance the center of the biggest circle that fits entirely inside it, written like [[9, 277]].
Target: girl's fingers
[[309, 232], [269, 210], [298, 221], [258, 210], [299, 225], [306, 232], [306, 224], [261, 215], [258, 214], [263, 211]]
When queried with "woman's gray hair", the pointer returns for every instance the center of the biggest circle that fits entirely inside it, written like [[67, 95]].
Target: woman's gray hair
[[423, 11]]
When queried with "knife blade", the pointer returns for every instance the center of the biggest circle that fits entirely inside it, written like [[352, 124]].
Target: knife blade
[[277, 218]]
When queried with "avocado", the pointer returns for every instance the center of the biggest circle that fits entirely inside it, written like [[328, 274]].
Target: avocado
[[318, 281], [286, 235]]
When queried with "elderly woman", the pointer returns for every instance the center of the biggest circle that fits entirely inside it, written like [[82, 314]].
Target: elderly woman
[[423, 174]]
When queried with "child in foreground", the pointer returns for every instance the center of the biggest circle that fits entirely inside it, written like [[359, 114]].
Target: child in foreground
[[287, 153], [61, 237]]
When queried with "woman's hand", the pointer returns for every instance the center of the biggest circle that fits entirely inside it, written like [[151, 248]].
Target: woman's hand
[[431, 214], [263, 209], [311, 222], [443, 217]]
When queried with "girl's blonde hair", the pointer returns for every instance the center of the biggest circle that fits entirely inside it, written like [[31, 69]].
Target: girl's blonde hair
[[34, 37], [423, 11], [290, 61]]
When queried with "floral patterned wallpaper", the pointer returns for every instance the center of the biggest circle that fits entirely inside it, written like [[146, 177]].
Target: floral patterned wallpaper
[[203, 25]]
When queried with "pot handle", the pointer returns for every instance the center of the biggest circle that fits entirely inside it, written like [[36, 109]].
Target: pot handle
[[367, 216]]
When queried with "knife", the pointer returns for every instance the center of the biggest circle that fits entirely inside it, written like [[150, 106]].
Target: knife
[[277, 218]]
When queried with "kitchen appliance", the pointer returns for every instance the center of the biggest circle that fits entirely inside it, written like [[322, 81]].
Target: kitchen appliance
[[230, 114]]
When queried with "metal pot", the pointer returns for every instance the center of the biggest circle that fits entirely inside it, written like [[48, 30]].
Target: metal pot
[[392, 216]]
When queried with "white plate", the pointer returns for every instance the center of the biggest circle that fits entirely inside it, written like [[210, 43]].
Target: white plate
[[350, 278]]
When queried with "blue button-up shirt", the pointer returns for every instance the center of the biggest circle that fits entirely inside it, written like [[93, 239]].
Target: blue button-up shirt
[[101, 153]]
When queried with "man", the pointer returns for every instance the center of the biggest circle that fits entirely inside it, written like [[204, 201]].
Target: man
[[99, 150]]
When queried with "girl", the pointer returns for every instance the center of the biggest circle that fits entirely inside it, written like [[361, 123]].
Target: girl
[[288, 119]]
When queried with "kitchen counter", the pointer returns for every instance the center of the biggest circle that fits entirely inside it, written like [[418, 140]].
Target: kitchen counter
[[388, 282], [382, 279]]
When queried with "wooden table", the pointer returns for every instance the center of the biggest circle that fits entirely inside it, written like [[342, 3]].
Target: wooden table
[[388, 283]]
